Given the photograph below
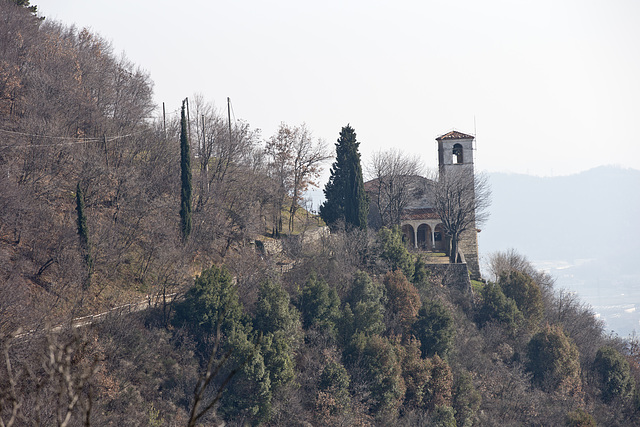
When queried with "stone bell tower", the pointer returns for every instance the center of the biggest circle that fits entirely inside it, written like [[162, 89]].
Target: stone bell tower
[[455, 157], [455, 151]]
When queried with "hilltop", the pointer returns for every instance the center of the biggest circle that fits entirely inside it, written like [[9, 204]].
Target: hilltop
[[346, 328]]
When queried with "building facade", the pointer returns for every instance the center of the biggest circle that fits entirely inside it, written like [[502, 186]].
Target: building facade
[[421, 225]]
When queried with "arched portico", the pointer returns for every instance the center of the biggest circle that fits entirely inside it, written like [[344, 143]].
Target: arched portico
[[423, 237], [420, 234], [409, 235], [440, 241]]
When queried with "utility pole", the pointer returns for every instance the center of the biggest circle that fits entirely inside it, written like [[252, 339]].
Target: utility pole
[[229, 114], [204, 156], [164, 121]]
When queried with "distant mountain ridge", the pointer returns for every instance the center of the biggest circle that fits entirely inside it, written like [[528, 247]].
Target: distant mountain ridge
[[583, 228], [581, 215]]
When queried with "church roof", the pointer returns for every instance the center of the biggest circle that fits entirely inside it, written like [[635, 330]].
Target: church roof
[[420, 213], [454, 134]]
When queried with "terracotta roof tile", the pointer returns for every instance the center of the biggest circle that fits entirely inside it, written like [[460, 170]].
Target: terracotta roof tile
[[454, 134]]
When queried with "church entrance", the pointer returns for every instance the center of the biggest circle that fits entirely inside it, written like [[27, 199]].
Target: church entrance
[[439, 239], [424, 237]]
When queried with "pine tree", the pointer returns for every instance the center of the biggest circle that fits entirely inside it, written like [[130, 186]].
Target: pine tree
[[83, 233], [615, 375], [211, 302], [346, 198], [320, 305], [522, 289], [554, 361], [185, 169], [435, 329]]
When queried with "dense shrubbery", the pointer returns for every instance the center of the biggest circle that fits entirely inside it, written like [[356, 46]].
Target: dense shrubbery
[[345, 345], [614, 374], [554, 362]]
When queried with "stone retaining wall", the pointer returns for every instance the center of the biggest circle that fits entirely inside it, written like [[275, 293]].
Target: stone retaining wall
[[451, 275]]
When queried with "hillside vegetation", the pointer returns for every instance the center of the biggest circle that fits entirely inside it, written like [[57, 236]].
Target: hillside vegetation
[[75, 117], [315, 329], [583, 228]]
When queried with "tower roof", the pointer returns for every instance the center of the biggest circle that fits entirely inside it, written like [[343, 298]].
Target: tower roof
[[454, 134]]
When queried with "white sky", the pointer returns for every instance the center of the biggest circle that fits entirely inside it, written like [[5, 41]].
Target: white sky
[[552, 86]]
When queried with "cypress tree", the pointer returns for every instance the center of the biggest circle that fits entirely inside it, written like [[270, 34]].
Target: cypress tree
[[185, 170], [26, 5], [346, 199], [83, 232]]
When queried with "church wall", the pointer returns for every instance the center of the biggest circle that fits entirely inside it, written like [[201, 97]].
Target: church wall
[[468, 244]]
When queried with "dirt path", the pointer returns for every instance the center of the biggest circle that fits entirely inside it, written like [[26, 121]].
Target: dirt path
[[78, 322]]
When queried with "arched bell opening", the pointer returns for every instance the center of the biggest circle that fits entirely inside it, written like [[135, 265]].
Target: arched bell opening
[[457, 154]]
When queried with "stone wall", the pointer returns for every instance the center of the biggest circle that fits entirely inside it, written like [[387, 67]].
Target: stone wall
[[451, 275], [468, 245]]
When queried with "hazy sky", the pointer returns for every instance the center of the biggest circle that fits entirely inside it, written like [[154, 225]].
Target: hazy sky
[[549, 87]]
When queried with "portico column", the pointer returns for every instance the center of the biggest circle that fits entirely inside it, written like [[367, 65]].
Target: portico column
[[415, 237], [433, 238]]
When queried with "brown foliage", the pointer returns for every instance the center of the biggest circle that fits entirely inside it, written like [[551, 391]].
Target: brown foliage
[[417, 376], [403, 301]]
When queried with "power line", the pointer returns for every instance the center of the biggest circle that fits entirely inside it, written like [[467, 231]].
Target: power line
[[233, 113], [70, 140], [45, 136]]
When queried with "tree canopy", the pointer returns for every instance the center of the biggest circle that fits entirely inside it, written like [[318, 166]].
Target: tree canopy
[[615, 375], [212, 302], [346, 199], [392, 176], [554, 361]]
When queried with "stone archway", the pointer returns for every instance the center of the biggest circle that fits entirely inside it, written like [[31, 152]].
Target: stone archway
[[408, 235], [424, 237]]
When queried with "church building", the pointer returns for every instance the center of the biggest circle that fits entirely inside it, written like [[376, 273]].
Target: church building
[[421, 225]]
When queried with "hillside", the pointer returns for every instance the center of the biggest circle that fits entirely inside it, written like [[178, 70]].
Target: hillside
[[270, 324], [74, 115], [582, 228]]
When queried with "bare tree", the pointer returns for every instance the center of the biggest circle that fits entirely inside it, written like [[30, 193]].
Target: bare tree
[[308, 157], [294, 163], [461, 199], [47, 378], [507, 262], [200, 406], [393, 177]]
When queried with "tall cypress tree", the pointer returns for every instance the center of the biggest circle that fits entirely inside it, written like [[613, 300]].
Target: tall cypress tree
[[83, 233], [185, 169], [346, 199]]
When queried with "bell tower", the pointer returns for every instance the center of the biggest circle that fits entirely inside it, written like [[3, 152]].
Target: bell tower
[[455, 159], [455, 151]]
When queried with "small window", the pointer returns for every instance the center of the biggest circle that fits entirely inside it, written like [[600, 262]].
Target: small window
[[457, 154]]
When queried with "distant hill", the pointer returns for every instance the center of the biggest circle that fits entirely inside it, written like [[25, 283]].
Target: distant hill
[[583, 228]]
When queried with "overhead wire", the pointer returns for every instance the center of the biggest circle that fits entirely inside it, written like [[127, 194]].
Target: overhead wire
[[70, 139], [233, 113]]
